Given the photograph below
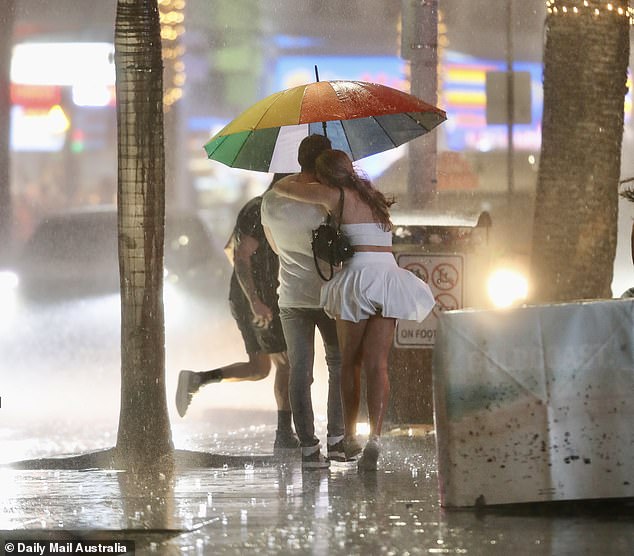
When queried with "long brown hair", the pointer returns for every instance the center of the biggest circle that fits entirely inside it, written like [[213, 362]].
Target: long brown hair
[[334, 167]]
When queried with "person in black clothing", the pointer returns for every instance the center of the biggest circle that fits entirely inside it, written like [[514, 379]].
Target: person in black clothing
[[253, 301]]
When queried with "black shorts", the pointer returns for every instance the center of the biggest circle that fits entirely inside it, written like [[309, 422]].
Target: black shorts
[[257, 340]]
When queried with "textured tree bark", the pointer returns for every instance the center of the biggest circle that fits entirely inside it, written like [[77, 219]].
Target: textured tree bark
[[144, 436], [585, 70]]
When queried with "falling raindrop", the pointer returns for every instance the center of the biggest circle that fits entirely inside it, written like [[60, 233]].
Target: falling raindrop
[[202, 510]]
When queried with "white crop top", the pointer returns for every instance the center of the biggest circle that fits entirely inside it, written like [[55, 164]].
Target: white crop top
[[369, 233]]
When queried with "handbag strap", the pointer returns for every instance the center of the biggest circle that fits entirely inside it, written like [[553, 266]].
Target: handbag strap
[[332, 270], [340, 207], [321, 274]]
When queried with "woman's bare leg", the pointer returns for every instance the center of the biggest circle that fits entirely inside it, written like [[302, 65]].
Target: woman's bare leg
[[350, 335], [377, 343]]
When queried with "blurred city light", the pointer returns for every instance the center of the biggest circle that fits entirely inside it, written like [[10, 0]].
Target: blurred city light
[[507, 287], [38, 129], [58, 121], [69, 63], [93, 94]]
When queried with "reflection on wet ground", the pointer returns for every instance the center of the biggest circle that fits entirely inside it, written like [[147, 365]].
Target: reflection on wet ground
[[47, 387], [278, 509]]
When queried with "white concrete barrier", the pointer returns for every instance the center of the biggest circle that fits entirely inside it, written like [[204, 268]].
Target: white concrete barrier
[[535, 403]]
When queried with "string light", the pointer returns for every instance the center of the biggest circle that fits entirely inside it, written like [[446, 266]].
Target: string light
[[572, 7], [172, 20]]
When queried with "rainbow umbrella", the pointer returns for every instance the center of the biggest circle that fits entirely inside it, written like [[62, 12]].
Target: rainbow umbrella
[[359, 118]]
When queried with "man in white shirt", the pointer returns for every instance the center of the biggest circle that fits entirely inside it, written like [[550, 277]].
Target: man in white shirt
[[288, 225]]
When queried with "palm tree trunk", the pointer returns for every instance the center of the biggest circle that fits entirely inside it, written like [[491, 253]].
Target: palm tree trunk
[[585, 70], [144, 436]]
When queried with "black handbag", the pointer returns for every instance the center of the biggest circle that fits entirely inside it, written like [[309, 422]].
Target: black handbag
[[330, 244]]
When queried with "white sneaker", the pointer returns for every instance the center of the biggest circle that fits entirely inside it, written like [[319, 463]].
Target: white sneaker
[[370, 456], [188, 384]]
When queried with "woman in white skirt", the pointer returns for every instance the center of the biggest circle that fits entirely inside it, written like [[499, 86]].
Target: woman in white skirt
[[369, 293]]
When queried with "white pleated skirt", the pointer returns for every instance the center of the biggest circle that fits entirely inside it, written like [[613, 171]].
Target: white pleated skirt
[[372, 283]]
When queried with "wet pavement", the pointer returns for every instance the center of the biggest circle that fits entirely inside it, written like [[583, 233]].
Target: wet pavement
[[273, 507]]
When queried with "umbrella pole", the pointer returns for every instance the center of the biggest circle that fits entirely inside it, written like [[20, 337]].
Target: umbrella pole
[[323, 124]]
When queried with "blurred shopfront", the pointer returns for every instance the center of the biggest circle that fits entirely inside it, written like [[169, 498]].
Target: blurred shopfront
[[217, 62]]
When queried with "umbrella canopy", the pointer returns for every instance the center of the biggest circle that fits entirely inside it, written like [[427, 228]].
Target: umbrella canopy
[[359, 118]]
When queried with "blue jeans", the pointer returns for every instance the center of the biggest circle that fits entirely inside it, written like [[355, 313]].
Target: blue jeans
[[299, 330]]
